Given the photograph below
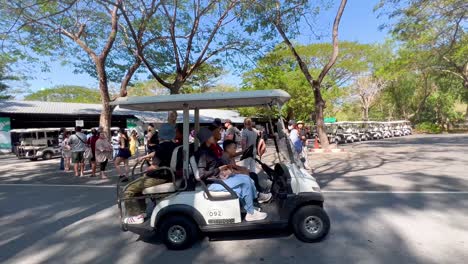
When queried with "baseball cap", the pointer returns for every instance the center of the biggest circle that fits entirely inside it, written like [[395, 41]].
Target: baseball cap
[[217, 123]]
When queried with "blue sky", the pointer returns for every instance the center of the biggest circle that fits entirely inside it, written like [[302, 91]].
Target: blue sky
[[359, 23]]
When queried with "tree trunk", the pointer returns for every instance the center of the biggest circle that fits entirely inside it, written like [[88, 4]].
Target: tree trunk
[[319, 107], [465, 84], [128, 76], [106, 113], [365, 113], [466, 114]]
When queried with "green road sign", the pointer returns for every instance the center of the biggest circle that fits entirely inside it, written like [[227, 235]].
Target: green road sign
[[329, 119]]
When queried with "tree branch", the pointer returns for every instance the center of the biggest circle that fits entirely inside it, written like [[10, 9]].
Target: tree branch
[[172, 21], [332, 60], [139, 49], [113, 34], [214, 31], [277, 22]]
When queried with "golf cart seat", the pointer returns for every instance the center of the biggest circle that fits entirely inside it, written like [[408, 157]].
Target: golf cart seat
[[214, 196], [170, 186]]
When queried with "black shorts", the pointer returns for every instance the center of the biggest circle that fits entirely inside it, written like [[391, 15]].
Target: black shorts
[[124, 153], [78, 157]]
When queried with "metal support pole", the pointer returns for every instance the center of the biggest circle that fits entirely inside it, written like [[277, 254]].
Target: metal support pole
[[186, 141], [197, 127], [275, 135]]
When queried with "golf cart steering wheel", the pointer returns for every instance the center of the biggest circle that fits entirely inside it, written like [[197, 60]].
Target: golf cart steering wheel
[[248, 153]]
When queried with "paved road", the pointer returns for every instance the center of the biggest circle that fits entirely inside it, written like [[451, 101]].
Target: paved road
[[402, 200]]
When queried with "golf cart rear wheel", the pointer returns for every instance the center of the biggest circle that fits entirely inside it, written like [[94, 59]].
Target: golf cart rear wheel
[[310, 223], [178, 232]]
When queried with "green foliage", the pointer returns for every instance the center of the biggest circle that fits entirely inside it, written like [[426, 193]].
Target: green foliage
[[70, 94], [279, 70], [5, 77], [428, 127], [147, 88], [432, 34]]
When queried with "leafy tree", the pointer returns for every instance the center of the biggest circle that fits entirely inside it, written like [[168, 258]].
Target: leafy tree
[[203, 80], [147, 88], [435, 31], [5, 77], [368, 88], [279, 70], [283, 17], [69, 30], [184, 36], [66, 93]]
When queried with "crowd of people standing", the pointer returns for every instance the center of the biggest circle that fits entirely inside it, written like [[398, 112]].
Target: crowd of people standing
[[98, 149]]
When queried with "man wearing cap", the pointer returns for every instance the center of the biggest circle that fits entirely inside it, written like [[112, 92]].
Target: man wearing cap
[[161, 157]]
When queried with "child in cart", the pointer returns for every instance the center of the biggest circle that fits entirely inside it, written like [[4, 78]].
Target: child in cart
[[228, 158]]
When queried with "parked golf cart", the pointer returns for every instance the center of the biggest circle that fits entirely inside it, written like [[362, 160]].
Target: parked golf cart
[[407, 130], [184, 207], [358, 130], [375, 130], [395, 128], [343, 134], [385, 128], [349, 130]]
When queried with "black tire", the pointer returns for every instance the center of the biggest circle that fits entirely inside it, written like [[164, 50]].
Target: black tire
[[33, 159], [185, 228], [47, 155], [310, 223]]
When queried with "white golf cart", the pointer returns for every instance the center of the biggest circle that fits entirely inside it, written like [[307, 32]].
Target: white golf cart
[[185, 207]]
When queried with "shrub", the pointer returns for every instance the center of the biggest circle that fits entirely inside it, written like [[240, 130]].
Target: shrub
[[428, 127]]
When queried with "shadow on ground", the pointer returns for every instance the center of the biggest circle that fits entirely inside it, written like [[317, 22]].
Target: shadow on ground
[[80, 225]]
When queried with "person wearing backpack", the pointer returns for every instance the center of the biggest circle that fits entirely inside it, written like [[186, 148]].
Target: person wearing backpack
[[77, 143], [232, 132]]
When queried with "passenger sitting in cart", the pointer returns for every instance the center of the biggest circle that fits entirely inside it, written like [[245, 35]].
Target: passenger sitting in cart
[[229, 155], [211, 166], [136, 208]]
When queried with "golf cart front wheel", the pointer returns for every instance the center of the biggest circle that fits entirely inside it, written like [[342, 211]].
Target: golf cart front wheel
[[178, 232], [310, 223], [47, 156]]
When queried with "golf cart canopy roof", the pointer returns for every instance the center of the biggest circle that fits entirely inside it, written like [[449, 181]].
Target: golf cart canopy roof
[[203, 101]]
